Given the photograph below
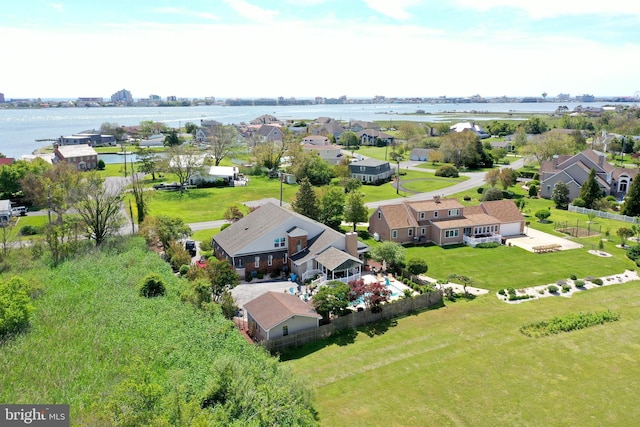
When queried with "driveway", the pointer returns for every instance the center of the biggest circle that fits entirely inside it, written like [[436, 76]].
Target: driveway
[[540, 238]]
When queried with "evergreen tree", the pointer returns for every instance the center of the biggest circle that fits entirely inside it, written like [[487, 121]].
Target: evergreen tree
[[306, 201], [631, 206], [590, 191], [560, 195]]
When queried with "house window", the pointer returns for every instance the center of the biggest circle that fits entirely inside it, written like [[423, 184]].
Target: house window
[[379, 215], [276, 243], [466, 231], [285, 330], [435, 214], [423, 231], [450, 233], [299, 246], [239, 263], [282, 242], [454, 212], [410, 232], [284, 259], [422, 215], [362, 168], [270, 260], [257, 262], [394, 234]]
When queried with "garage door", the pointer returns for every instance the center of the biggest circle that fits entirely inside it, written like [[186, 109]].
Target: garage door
[[510, 229]]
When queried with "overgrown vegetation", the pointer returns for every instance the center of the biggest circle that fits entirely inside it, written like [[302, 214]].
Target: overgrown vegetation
[[568, 322], [119, 359]]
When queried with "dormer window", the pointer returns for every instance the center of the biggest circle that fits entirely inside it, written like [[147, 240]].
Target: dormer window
[[454, 212], [435, 214], [422, 215]]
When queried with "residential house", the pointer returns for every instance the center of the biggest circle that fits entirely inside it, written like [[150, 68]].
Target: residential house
[[6, 160], [265, 119], [274, 239], [470, 127], [277, 314], [359, 125], [371, 171], [268, 133], [5, 211], [315, 140], [321, 145], [327, 126], [229, 175], [375, 137], [445, 221], [88, 138], [574, 171], [84, 157], [420, 154]]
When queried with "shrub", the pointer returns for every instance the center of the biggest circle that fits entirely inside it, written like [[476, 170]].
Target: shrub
[[260, 275], [447, 171], [568, 322], [578, 202], [492, 194], [488, 245], [597, 281], [206, 245], [417, 266], [101, 165], [566, 288], [480, 190], [225, 225], [178, 255], [15, 305], [633, 253], [552, 289], [542, 215], [519, 297], [501, 292], [152, 286], [573, 277], [579, 283], [467, 198], [28, 230], [184, 269]]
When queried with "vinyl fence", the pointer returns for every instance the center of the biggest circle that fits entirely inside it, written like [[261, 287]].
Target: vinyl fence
[[355, 319], [602, 214]]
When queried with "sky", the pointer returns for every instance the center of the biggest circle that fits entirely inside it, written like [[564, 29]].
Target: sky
[[326, 48]]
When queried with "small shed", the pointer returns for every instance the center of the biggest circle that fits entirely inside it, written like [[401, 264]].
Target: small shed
[[276, 314]]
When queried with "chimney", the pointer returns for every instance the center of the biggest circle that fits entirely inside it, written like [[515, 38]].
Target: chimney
[[351, 243]]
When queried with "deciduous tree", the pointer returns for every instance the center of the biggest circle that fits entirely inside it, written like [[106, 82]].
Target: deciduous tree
[[560, 195], [185, 162], [222, 141], [99, 205], [332, 299], [355, 210], [331, 206], [392, 253]]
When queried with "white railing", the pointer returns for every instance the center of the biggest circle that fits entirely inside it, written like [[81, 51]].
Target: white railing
[[310, 273], [322, 280], [602, 214], [473, 241]]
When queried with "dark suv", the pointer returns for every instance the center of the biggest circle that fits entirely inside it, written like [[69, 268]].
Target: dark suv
[[190, 246]]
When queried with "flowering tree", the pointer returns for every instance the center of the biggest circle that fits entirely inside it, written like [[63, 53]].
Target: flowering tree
[[376, 294]]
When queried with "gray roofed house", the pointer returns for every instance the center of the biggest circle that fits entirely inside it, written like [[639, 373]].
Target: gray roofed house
[[574, 171], [274, 239], [371, 171]]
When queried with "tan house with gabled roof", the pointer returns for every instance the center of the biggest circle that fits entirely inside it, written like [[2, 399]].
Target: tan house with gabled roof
[[276, 314], [446, 222]]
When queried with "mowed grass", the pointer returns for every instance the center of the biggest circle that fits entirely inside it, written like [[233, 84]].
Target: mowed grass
[[468, 364], [510, 266]]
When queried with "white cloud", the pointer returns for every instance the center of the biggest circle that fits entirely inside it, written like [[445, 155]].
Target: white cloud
[[252, 12], [539, 9], [395, 9], [56, 6], [186, 12]]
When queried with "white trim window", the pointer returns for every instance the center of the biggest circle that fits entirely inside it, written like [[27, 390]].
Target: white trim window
[[454, 212], [394, 234], [256, 262], [410, 232], [270, 260], [448, 234]]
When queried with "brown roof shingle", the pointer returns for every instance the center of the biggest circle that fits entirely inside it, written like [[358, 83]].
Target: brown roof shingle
[[273, 308]]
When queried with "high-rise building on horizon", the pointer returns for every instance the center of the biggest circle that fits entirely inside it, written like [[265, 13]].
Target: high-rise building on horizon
[[1, 98], [122, 96]]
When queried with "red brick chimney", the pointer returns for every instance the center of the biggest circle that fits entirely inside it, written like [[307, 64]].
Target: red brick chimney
[[351, 243]]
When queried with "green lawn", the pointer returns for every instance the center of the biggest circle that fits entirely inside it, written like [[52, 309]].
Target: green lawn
[[468, 364]]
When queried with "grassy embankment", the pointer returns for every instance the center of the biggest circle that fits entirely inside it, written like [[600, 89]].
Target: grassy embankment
[[92, 335]]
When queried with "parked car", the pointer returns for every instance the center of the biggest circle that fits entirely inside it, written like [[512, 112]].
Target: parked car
[[190, 246], [19, 210]]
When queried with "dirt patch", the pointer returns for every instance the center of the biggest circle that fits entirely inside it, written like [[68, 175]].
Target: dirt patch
[[578, 232]]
